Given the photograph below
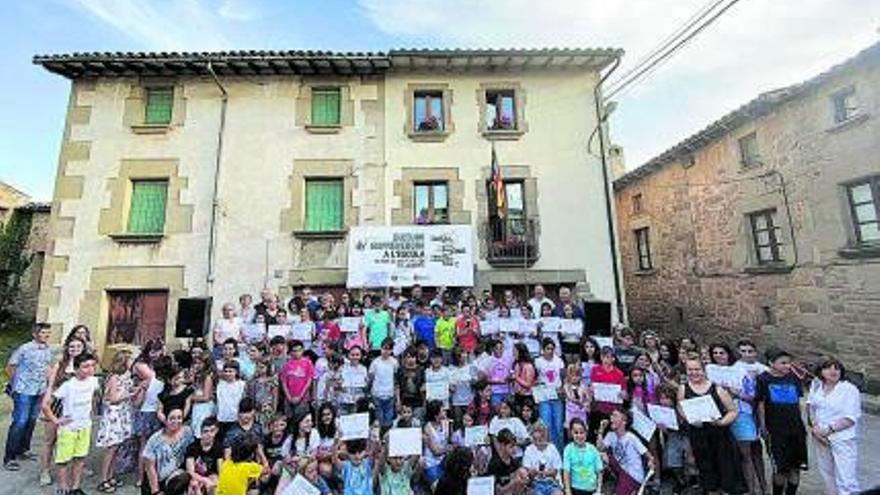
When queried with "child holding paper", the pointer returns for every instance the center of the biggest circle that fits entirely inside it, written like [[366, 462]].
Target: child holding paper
[[625, 453], [436, 440], [355, 469], [675, 446], [395, 473], [481, 453], [543, 462], [354, 381]]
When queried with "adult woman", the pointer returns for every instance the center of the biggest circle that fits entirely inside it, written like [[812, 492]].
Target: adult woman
[[570, 341], [744, 428], [834, 411], [82, 332], [651, 345], [59, 373], [164, 453], [227, 327], [713, 446], [589, 357]]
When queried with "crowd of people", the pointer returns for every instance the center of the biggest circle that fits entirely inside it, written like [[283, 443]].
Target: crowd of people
[[515, 392]]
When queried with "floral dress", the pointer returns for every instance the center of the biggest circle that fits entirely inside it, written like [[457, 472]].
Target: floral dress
[[115, 426]]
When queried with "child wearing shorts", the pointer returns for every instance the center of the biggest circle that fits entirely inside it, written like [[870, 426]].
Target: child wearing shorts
[[75, 425]]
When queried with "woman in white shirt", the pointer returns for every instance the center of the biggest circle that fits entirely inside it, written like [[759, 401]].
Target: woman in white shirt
[[834, 411], [227, 327]]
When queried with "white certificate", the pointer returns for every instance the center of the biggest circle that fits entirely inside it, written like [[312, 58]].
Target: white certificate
[[726, 376], [551, 324], [353, 378], [528, 327], [303, 331], [355, 426], [279, 330], [254, 332], [489, 326], [300, 486], [403, 442], [462, 375], [603, 342], [663, 416], [700, 409], [606, 392], [643, 425], [350, 324], [508, 325], [544, 393], [437, 390], [572, 328], [476, 435], [483, 485]]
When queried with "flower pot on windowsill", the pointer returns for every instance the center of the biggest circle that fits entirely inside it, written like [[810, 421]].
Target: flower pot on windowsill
[[430, 124]]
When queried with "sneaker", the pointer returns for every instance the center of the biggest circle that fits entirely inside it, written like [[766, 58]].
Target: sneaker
[[45, 478], [11, 466]]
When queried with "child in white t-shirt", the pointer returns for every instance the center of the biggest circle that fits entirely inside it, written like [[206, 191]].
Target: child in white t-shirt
[[625, 452], [77, 398]]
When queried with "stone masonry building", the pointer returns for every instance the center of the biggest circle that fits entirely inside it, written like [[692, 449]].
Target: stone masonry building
[[215, 174], [765, 224]]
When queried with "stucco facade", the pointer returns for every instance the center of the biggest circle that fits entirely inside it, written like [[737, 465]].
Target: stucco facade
[[697, 201], [270, 149]]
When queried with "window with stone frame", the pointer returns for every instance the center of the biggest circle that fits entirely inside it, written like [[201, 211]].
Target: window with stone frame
[[845, 105], [643, 249], [748, 150], [864, 206], [146, 213], [428, 111], [326, 107], [158, 105], [430, 203], [765, 237], [501, 110], [325, 205]]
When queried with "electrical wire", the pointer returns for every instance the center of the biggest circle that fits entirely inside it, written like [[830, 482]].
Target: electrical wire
[[638, 76]]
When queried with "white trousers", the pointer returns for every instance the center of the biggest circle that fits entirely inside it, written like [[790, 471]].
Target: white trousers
[[837, 464]]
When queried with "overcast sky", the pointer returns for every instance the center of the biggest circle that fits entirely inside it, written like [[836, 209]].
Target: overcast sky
[[756, 46]]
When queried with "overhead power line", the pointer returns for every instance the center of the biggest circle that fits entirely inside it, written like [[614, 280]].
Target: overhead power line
[[638, 76]]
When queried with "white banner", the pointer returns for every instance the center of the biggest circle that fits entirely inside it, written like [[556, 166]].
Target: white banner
[[405, 255]]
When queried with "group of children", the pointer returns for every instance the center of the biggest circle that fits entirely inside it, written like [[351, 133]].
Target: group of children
[[539, 411]]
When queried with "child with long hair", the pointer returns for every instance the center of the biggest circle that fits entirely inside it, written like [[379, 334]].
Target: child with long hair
[[263, 389], [577, 397]]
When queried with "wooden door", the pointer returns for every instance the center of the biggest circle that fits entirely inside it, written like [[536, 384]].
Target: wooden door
[[136, 317]]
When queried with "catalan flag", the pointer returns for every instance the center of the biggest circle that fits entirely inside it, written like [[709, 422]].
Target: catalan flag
[[498, 186]]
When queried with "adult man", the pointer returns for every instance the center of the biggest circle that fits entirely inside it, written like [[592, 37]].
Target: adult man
[[266, 296], [565, 299], [539, 298], [396, 300], [27, 382]]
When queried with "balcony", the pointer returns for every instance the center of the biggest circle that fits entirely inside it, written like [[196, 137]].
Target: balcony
[[511, 242]]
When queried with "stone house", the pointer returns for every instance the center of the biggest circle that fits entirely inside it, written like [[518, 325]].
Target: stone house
[[216, 174], [10, 199], [765, 224]]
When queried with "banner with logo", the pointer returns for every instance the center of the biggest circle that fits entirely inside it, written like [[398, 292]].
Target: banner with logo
[[406, 255]]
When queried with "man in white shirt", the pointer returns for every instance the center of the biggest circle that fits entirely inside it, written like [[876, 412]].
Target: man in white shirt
[[539, 298]]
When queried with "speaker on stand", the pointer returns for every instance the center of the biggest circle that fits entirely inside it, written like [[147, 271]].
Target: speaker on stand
[[597, 318], [193, 317]]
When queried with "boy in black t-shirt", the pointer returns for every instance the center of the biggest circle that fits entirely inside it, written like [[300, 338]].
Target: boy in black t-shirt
[[510, 476], [203, 457], [778, 397]]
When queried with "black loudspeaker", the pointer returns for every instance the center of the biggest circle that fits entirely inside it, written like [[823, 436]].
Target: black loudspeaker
[[193, 317], [597, 318]]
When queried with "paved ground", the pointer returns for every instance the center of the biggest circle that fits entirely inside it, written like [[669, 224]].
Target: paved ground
[[24, 482]]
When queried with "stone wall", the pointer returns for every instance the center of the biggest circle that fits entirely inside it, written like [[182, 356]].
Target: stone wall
[[824, 297]]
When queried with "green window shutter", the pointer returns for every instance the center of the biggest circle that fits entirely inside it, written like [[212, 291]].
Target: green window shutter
[[147, 212], [159, 104], [325, 107], [324, 205]]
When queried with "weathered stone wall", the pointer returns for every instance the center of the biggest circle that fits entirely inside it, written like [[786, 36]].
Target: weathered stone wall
[[825, 298]]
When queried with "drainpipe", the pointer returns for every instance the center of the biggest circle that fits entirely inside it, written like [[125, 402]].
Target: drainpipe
[[215, 204], [602, 118]]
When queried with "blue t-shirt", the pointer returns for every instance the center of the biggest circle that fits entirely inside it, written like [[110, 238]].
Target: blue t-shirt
[[357, 480], [423, 327]]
